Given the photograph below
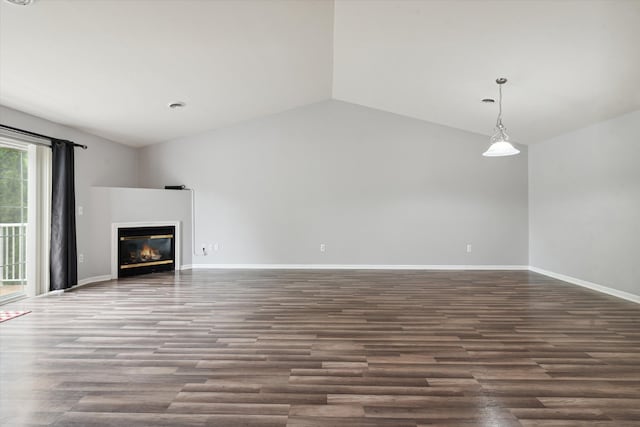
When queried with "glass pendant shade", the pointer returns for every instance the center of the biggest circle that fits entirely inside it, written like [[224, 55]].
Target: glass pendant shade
[[500, 145], [501, 148]]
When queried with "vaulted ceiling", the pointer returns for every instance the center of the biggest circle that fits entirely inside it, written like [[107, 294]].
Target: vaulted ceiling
[[111, 67]]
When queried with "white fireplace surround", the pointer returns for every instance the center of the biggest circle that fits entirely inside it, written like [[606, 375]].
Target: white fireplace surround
[[114, 241]]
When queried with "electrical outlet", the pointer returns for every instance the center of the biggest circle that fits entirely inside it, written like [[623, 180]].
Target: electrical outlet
[[216, 247], [80, 257], [80, 210], [469, 248], [203, 246], [323, 247]]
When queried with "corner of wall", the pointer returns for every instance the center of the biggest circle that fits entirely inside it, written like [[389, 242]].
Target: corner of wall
[[529, 203]]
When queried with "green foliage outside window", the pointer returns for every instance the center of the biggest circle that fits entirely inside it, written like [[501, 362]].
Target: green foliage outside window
[[13, 185], [13, 210]]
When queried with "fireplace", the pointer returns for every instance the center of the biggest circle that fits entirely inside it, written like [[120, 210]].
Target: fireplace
[[145, 250]]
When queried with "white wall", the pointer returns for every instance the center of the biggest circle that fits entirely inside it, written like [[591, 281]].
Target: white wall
[[584, 190], [375, 187], [103, 163], [110, 205]]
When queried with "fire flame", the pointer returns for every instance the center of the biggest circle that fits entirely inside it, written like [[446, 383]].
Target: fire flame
[[147, 253]]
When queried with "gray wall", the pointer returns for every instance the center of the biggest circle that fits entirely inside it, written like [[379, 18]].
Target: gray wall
[[584, 203], [111, 205], [375, 187], [104, 163]]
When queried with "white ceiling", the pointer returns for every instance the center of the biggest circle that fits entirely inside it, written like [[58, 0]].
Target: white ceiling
[[110, 67], [569, 63]]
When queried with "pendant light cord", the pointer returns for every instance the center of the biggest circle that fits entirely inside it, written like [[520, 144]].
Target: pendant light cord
[[499, 121]]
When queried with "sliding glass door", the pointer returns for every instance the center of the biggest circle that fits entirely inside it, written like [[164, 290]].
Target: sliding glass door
[[25, 207], [14, 218]]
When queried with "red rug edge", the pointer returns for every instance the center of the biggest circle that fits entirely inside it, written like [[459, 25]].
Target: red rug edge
[[22, 313]]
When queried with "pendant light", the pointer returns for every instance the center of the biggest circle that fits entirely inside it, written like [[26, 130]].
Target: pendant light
[[500, 145]]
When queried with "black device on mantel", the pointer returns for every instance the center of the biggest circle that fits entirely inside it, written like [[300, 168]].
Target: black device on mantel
[[174, 187]]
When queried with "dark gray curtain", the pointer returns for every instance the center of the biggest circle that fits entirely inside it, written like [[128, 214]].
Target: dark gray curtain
[[64, 265]]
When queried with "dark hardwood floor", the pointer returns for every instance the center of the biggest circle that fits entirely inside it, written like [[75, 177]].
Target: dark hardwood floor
[[323, 348]]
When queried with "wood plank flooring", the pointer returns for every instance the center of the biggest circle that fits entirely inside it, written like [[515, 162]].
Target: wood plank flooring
[[323, 348]]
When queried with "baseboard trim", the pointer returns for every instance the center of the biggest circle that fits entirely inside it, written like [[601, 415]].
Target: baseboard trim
[[94, 279], [81, 282], [350, 267], [586, 284], [575, 281]]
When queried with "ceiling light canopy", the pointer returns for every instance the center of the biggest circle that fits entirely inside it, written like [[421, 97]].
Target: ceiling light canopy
[[500, 145], [20, 2]]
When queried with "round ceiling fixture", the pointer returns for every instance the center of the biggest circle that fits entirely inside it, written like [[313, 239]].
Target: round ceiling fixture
[[177, 104], [20, 2], [488, 100]]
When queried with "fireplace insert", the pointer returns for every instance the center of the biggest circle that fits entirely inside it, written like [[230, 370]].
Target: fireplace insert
[[145, 250]]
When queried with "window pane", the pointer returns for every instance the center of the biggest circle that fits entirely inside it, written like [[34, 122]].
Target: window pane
[[13, 214], [10, 215], [10, 160], [11, 193]]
